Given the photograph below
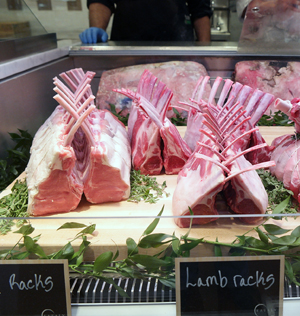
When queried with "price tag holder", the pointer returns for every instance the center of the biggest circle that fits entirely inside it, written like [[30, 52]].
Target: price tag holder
[[227, 286], [34, 287]]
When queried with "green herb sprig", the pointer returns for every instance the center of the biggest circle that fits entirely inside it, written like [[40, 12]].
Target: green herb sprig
[[277, 119], [122, 118], [280, 198], [14, 205], [17, 159], [178, 119], [145, 188]]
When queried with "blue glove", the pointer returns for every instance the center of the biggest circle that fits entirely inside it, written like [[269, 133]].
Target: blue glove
[[93, 35]]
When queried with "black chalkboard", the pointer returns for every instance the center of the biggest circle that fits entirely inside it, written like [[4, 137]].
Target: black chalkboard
[[227, 286], [34, 287]]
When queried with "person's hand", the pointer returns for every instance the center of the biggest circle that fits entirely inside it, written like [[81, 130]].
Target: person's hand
[[93, 35]]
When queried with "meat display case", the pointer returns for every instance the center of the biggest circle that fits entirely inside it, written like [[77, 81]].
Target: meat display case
[[116, 223]]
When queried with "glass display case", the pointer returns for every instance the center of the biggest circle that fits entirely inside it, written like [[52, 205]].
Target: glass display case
[[118, 227], [21, 33]]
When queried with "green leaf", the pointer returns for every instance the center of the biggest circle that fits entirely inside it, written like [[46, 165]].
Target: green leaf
[[274, 229], [296, 267], [155, 240], [116, 255], [148, 262], [103, 261], [25, 230], [285, 240], [132, 248], [289, 271], [255, 243], [69, 225], [33, 247], [280, 208], [21, 255], [296, 232], [263, 237], [175, 244], [153, 225], [168, 282], [66, 252], [88, 230], [236, 251], [187, 246], [118, 288]]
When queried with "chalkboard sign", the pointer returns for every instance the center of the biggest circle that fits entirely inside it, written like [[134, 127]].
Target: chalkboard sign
[[227, 286], [34, 288]]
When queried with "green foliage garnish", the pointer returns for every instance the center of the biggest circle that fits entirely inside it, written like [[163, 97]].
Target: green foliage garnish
[[14, 205], [280, 198], [178, 120], [270, 239], [146, 188], [277, 119], [17, 159], [123, 119]]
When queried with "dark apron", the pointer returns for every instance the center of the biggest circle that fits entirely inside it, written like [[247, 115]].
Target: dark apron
[[152, 20]]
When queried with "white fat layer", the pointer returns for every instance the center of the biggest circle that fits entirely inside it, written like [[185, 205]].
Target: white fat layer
[[46, 150], [112, 141], [193, 189], [250, 184]]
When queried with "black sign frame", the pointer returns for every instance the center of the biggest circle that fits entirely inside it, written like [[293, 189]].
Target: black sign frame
[[237, 285], [35, 287]]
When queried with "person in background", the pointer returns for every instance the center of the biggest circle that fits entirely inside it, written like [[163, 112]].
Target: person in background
[[148, 20]]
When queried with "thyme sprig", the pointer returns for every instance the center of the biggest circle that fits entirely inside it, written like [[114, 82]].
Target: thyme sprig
[[145, 187], [14, 205]]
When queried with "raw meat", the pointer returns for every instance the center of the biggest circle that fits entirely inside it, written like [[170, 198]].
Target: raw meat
[[108, 174], [278, 78], [218, 161], [151, 102], [271, 25], [179, 76], [287, 150], [52, 166], [73, 147]]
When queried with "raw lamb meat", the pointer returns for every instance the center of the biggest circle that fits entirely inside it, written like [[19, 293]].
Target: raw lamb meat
[[52, 166], [71, 149], [287, 150], [270, 26], [108, 174], [218, 161], [278, 78], [151, 102], [179, 76]]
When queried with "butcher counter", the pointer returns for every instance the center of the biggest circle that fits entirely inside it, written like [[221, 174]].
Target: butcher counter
[[115, 222]]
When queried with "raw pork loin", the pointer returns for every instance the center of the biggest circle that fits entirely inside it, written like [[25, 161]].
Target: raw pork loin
[[179, 76], [150, 130], [278, 78], [218, 162], [76, 151]]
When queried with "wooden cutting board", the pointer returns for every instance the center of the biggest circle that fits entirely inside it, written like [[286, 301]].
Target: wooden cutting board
[[115, 222]]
